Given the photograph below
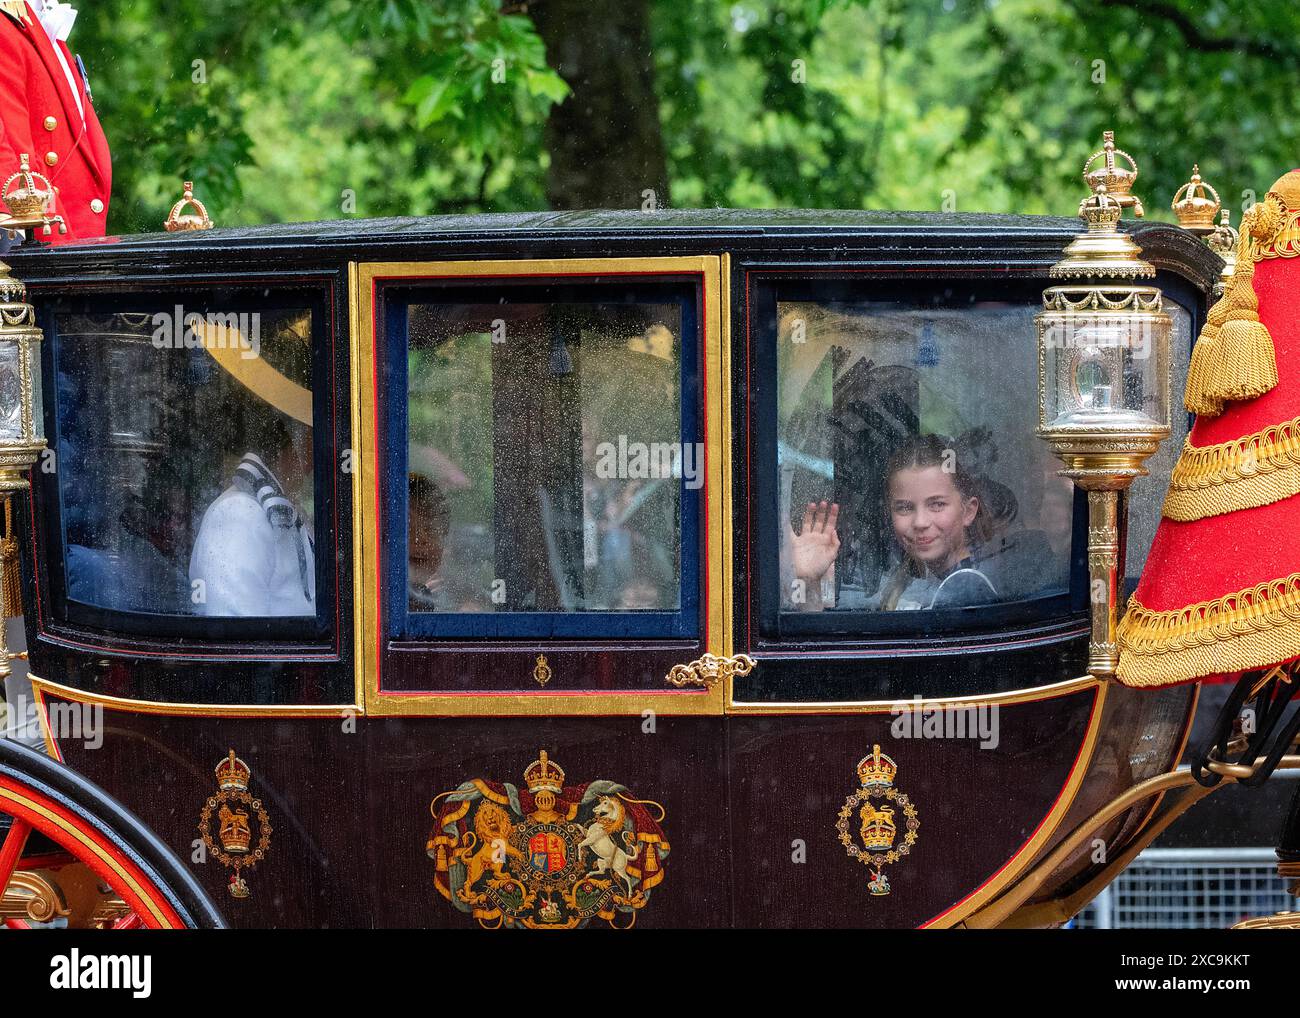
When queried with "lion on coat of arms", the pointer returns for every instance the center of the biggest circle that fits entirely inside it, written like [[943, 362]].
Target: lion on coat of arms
[[489, 847]]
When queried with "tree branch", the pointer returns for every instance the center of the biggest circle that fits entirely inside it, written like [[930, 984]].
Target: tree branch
[[1197, 39]]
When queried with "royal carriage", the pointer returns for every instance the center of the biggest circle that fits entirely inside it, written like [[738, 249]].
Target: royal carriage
[[548, 662]]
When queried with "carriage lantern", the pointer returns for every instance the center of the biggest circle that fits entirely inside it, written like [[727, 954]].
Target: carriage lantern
[[22, 430], [1103, 357], [22, 433]]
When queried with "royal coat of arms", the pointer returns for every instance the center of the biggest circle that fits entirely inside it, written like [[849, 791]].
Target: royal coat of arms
[[872, 809], [549, 856]]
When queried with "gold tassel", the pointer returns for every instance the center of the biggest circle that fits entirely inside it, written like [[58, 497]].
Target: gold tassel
[[11, 590], [1245, 364], [1197, 399], [1235, 359], [1204, 356]]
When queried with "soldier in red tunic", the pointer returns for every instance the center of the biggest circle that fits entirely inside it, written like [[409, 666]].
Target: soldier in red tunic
[[46, 112]]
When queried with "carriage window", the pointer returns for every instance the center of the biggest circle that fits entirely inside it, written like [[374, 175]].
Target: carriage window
[[910, 474], [545, 461], [188, 443]]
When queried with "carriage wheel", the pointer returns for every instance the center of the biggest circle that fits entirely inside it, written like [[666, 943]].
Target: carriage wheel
[[72, 851]]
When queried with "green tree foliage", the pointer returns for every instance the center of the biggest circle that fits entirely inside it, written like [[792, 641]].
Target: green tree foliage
[[298, 109], [282, 109], [977, 105]]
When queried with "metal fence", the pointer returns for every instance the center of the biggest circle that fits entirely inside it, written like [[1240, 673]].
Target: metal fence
[[1190, 888]]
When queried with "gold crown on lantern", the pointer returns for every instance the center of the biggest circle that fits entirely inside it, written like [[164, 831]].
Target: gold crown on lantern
[[233, 774], [1117, 180], [876, 770], [544, 774], [1196, 204]]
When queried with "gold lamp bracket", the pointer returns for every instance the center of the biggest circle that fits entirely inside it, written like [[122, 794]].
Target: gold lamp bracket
[[197, 220]]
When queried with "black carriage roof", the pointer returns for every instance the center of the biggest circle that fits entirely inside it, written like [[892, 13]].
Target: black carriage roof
[[625, 221], [783, 234]]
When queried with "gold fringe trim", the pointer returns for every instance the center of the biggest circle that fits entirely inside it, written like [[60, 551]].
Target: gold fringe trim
[[1248, 472], [1234, 358], [1253, 628]]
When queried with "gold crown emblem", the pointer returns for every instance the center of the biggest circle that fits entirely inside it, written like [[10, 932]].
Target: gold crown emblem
[[1117, 180], [234, 831], [28, 201], [1196, 204], [878, 828], [876, 770], [543, 774], [233, 774]]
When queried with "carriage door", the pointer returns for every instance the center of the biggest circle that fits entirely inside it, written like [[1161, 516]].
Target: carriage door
[[539, 480]]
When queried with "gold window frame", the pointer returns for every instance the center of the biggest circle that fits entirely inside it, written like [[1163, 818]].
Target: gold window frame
[[717, 598]]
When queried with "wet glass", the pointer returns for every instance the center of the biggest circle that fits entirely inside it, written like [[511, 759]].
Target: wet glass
[[911, 477], [184, 454], [1147, 495], [1105, 369], [11, 392], [545, 457]]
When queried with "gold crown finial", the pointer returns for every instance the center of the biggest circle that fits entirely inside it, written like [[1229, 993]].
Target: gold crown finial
[[1196, 204], [29, 200], [30, 204], [1105, 251], [197, 220], [1116, 179]]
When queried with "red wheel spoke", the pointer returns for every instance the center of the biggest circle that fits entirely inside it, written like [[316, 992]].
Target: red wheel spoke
[[12, 849], [17, 924], [130, 921]]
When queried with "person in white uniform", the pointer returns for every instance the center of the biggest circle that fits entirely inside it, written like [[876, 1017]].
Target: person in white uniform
[[254, 554]]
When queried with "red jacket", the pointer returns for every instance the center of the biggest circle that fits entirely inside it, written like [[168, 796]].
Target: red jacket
[[39, 116]]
